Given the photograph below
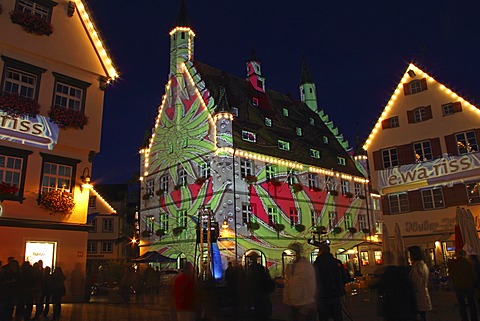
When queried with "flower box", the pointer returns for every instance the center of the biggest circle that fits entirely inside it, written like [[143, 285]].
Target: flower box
[[57, 201], [333, 192], [275, 182], [300, 228], [160, 232], [278, 227], [348, 195], [320, 229], [200, 180], [177, 230], [252, 226], [352, 230], [250, 179], [67, 117], [145, 233], [31, 23], [160, 192], [316, 189], [146, 196], [337, 230], [18, 106], [297, 187]]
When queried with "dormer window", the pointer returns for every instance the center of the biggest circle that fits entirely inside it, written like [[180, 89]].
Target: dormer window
[[312, 121], [415, 86], [249, 136], [299, 131], [391, 122], [451, 108], [325, 139], [341, 160], [283, 145], [314, 153], [268, 122], [285, 112], [419, 114]]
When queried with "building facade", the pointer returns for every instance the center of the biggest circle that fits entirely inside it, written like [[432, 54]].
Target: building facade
[[424, 161], [254, 167], [54, 71]]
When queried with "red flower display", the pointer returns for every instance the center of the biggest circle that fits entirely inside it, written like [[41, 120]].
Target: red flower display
[[17, 106], [31, 23], [8, 189], [67, 117], [58, 201]]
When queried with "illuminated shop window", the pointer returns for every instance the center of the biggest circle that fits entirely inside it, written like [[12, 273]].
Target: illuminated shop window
[[398, 203], [378, 257], [249, 136], [390, 157], [423, 151], [432, 198], [38, 250], [364, 258], [473, 191], [466, 142], [107, 247]]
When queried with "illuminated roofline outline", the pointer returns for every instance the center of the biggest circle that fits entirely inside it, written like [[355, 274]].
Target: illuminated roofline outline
[[104, 201], [96, 40], [399, 89]]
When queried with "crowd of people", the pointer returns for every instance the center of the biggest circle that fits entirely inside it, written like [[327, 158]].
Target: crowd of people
[[25, 286]]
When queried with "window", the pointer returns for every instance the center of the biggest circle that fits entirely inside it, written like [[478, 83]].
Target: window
[[389, 157], [345, 186], [312, 180], [270, 171], [398, 203], [473, 191], [164, 183], [314, 215], [415, 86], [348, 221], [364, 258], [92, 247], [466, 142], [249, 136], [330, 183], [13, 163], [358, 189], [268, 122], [378, 257], [272, 215], [298, 131], [107, 246], [419, 115], [254, 99], [58, 172], [291, 176], [182, 219], [325, 139], [362, 222], [283, 145], [40, 9], [205, 169], [92, 201], [94, 226], [293, 216], [246, 167], [432, 198], [20, 78], [285, 112], [451, 108], [164, 221], [182, 177], [311, 121], [235, 111], [341, 160], [314, 153], [423, 151], [332, 220], [150, 187], [69, 92], [391, 122], [246, 212], [107, 225]]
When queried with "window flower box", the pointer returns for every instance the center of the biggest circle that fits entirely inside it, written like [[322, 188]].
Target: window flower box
[[250, 179], [337, 230], [178, 230], [366, 230], [31, 23], [300, 228], [18, 106], [297, 187], [278, 227], [177, 187], [316, 189], [67, 117], [200, 180], [253, 226], [361, 196], [57, 201], [8, 191], [275, 182], [160, 192], [352, 230], [333, 192], [145, 233], [146, 196], [348, 195], [320, 229], [160, 232]]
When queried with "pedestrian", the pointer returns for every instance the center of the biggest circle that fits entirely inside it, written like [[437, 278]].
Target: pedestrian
[[25, 295], [419, 274], [464, 276], [331, 279], [46, 290], [184, 294], [10, 278], [58, 291], [300, 288], [36, 287]]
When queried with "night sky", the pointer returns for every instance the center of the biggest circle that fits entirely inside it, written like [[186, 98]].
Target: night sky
[[356, 51]]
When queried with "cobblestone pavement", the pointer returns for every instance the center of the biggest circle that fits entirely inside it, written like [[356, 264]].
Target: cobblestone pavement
[[360, 307]]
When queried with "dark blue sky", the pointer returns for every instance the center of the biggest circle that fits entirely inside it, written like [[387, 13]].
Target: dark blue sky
[[356, 51]]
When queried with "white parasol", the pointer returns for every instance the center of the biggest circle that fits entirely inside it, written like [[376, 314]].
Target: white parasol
[[468, 229], [386, 246]]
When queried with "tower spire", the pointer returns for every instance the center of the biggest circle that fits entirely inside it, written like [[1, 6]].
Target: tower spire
[[181, 40], [182, 18], [308, 93], [306, 78]]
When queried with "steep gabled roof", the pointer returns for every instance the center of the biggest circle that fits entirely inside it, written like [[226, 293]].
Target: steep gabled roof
[[97, 42], [415, 71], [239, 93]]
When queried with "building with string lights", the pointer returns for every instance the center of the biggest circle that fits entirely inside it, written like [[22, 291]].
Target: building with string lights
[[424, 161], [55, 68], [266, 169]]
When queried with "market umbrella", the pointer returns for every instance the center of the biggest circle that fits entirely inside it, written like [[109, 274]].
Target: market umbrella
[[458, 233], [386, 246], [399, 246], [468, 228]]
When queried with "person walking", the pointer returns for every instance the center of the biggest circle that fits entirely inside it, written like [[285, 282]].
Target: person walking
[[419, 275], [58, 291], [300, 290], [184, 294], [46, 290], [331, 279], [464, 276]]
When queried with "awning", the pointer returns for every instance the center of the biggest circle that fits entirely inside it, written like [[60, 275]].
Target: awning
[[425, 240]]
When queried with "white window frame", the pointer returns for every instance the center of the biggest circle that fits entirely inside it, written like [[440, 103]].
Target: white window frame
[[246, 167], [270, 171], [249, 136], [466, 142], [283, 145], [415, 86], [34, 8], [107, 225], [273, 216], [423, 151], [312, 180], [398, 203], [419, 114], [246, 212], [389, 157], [164, 183], [56, 176], [150, 186], [163, 219], [341, 160], [432, 198], [314, 153], [92, 246], [345, 186], [182, 177], [107, 247], [206, 169]]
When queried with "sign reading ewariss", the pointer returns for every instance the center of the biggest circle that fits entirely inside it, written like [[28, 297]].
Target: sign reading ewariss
[[36, 131], [441, 171]]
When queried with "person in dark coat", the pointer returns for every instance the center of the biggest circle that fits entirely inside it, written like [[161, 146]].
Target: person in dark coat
[[331, 278], [10, 278], [46, 290], [58, 291]]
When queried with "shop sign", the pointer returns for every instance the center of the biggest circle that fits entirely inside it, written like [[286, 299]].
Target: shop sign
[[444, 224], [36, 131]]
